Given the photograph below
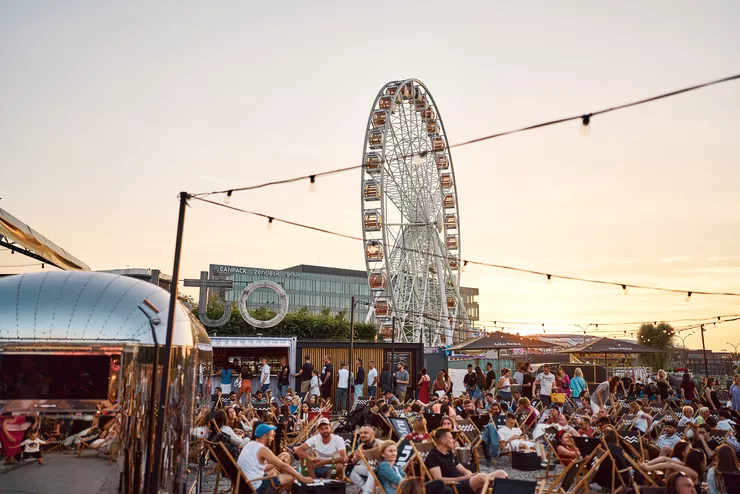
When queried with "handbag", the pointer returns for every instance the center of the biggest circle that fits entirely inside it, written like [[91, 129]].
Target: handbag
[[558, 398]]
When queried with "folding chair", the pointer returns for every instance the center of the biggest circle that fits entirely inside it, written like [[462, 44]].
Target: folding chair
[[349, 439], [499, 420], [226, 463], [433, 420], [631, 441], [371, 458], [406, 454], [85, 442], [563, 481], [626, 422], [618, 473], [422, 450], [471, 436], [590, 469], [480, 421], [649, 490], [400, 427]]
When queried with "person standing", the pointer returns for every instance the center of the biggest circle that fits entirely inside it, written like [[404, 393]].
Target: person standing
[[264, 376], [283, 378], [402, 382], [423, 384], [518, 376], [305, 373], [735, 393], [605, 391], [245, 374], [386, 379], [528, 380], [577, 384], [342, 387], [226, 377], [688, 387], [359, 379], [546, 381], [327, 373], [490, 378], [372, 380], [470, 381]]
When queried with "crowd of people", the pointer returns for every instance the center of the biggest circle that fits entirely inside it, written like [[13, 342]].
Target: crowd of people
[[685, 435]]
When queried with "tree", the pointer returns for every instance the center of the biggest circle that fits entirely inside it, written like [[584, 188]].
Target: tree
[[660, 337]]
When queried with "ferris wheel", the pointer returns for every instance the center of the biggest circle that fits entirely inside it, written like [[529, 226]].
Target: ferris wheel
[[410, 218]]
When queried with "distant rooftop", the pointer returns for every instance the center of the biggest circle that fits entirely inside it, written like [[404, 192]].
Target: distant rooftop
[[309, 268]]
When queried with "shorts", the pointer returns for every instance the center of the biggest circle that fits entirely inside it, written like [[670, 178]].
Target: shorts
[[37, 455], [464, 487], [225, 389], [268, 484], [322, 472]]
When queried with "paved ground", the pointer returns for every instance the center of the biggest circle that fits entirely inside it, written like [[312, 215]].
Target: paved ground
[[62, 474]]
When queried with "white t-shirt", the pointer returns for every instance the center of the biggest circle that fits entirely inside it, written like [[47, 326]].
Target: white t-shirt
[[326, 451], [602, 388], [32, 445], [372, 374], [265, 376], [505, 433], [342, 378], [641, 423], [546, 382]]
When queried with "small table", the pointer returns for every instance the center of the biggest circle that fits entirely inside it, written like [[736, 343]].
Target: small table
[[327, 487]]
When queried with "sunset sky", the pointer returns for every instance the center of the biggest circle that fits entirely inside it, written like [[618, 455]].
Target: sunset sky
[[108, 111]]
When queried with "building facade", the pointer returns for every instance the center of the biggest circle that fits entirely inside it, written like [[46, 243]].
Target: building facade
[[313, 287], [718, 363]]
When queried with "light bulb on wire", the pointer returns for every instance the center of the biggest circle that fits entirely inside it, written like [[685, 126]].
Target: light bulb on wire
[[269, 223], [465, 266], [549, 279], [624, 290], [688, 297], [312, 183], [227, 197], [585, 129]]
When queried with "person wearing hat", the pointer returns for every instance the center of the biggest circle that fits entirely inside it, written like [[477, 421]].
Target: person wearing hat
[[322, 451], [305, 374], [390, 398], [256, 458]]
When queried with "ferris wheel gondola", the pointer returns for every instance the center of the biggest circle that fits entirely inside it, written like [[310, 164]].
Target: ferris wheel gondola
[[410, 218]]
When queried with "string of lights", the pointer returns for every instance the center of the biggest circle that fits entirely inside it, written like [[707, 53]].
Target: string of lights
[[708, 320], [43, 265], [584, 118], [466, 262]]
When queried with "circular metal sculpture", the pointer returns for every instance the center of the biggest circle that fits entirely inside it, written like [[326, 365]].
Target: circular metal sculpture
[[245, 311], [410, 217]]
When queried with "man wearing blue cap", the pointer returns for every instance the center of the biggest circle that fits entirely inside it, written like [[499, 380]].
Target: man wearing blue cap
[[256, 458], [323, 451]]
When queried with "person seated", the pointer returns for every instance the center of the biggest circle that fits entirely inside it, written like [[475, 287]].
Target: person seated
[[702, 415], [703, 440], [513, 439], [643, 421], [227, 435], [256, 458], [442, 465], [491, 404], [525, 408], [566, 449], [584, 427], [603, 475], [258, 398], [676, 455], [418, 431], [390, 398], [725, 422], [437, 407], [467, 409], [217, 400], [359, 475], [687, 419], [329, 450], [389, 475], [668, 439], [385, 410]]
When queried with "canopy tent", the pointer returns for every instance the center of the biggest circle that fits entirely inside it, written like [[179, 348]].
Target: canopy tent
[[608, 346], [18, 236], [499, 341]]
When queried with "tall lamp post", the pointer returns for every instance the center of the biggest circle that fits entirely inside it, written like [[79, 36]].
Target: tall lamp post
[[704, 350], [734, 356], [683, 338]]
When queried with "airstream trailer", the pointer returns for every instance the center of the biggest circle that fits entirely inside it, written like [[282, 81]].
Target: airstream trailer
[[70, 341]]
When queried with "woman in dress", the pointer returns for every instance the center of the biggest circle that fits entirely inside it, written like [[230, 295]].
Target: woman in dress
[[577, 384], [664, 387], [709, 395], [423, 384]]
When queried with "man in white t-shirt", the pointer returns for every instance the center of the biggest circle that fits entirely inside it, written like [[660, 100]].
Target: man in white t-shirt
[[516, 440], [323, 450], [545, 380], [372, 380], [265, 376], [342, 387]]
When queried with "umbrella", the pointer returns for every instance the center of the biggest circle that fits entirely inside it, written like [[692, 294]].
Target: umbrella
[[609, 345], [499, 341]]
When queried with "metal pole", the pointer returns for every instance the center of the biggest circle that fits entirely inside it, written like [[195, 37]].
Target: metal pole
[[393, 344], [351, 347], [163, 386], [704, 349]]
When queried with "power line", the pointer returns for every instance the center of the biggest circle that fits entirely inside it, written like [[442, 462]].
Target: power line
[[23, 265], [585, 118], [549, 276]]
